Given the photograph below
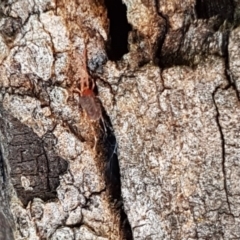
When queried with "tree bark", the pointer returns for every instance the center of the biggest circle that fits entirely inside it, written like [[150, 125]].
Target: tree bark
[[160, 160]]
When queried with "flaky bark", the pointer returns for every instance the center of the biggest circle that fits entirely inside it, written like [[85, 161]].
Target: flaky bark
[[170, 121]]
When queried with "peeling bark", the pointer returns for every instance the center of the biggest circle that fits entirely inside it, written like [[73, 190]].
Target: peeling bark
[[162, 162]]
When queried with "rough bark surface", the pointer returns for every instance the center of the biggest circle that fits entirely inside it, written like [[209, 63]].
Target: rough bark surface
[[170, 121]]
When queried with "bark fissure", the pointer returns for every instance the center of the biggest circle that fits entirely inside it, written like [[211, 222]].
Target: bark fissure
[[2, 172], [119, 29], [166, 164], [230, 78], [113, 177], [163, 36], [222, 148], [207, 9]]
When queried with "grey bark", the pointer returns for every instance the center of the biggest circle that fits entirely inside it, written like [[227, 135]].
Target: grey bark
[[170, 116]]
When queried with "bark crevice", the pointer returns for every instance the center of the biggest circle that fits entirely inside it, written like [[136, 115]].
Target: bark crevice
[[223, 149], [119, 29], [113, 176]]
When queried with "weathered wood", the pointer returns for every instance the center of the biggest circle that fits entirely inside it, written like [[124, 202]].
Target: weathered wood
[[170, 120]]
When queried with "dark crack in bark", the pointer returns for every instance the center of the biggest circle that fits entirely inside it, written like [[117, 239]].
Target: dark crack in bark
[[223, 149], [162, 36], [206, 9], [228, 73], [119, 29], [2, 172], [113, 176]]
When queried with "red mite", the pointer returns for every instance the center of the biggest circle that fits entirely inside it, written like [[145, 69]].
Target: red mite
[[88, 100]]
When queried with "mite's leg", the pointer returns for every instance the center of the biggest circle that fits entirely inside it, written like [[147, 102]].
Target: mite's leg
[[84, 83], [93, 84], [78, 91], [104, 125], [95, 139]]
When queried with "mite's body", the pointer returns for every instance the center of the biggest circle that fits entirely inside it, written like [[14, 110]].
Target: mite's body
[[84, 86], [90, 103], [92, 106]]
